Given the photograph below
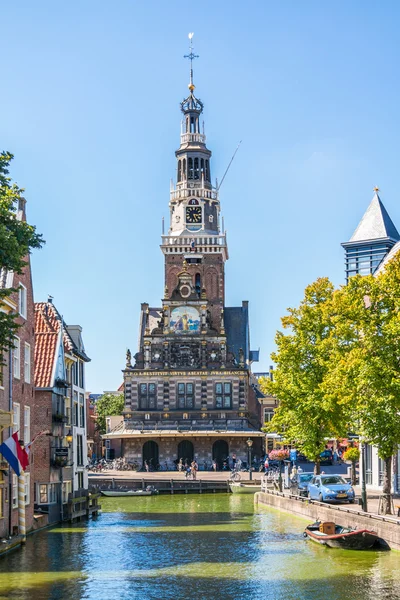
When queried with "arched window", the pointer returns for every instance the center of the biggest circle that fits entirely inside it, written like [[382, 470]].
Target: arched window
[[190, 168], [192, 125], [187, 125], [179, 170], [196, 168], [207, 171], [202, 168], [198, 283], [184, 168]]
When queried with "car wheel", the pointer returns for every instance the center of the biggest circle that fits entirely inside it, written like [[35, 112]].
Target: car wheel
[[320, 498], [351, 501]]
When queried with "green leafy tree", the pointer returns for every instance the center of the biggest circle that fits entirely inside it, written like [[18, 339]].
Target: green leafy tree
[[305, 414], [107, 406], [352, 455], [365, 372], [17, 239]]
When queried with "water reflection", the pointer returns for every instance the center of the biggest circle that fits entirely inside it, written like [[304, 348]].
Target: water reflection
[[201, 547]]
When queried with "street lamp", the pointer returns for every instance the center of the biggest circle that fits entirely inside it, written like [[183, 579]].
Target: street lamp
[[249, 443], [69, 437]]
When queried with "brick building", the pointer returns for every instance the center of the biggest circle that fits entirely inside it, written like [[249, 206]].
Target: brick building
[[189, 392], [60, 408], [17, 392]]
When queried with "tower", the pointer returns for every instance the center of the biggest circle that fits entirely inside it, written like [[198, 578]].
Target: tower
[[372, 240], [189, 393]]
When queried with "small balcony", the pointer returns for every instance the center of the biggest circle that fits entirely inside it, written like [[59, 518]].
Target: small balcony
[[59, 418]]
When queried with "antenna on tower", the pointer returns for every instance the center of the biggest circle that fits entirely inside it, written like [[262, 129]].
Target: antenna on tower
[[191, 56], [162, 226], [227, 168]]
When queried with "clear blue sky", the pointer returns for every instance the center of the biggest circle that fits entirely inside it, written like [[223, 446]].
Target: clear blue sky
[[90, 108]]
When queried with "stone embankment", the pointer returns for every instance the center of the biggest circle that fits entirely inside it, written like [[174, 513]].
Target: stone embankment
[[387, 528]]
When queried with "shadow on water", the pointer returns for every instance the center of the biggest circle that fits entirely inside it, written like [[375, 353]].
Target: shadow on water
[[198, 547]]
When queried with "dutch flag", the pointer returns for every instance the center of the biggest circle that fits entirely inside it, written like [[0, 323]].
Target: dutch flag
[[16, 456]]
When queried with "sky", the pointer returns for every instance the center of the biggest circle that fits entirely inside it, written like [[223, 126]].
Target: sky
[[90, 109]]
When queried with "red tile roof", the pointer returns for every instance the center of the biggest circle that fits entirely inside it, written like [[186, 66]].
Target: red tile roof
[[46, 335]]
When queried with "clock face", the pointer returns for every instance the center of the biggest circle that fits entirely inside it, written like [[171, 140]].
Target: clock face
[[193, 214]]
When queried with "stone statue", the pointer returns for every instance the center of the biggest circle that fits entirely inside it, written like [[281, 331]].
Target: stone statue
[[128, 358]]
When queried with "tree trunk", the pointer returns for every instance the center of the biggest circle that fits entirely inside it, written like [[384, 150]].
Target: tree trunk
[[387, 487], [353, 473], [317, 467]]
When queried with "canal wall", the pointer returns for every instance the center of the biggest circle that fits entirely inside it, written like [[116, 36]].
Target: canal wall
[[387, 528]]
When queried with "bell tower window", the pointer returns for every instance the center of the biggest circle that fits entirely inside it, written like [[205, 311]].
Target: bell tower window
[[190, 168], [179, 170], [196, 169], [184, 168], [207, 170]]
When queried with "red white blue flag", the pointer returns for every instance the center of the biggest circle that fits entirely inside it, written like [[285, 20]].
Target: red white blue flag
[[16, 456]]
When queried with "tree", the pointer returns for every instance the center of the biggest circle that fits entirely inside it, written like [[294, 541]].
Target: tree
[[365, 373], [305, 414], [106, 406], [17, 239], [352, 455]]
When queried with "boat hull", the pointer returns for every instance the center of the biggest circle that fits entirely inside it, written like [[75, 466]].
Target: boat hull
[[242, 488], [361, 539]]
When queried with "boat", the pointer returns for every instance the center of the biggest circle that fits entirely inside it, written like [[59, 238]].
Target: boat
[[248, 487], [128, 493], [336, 536]]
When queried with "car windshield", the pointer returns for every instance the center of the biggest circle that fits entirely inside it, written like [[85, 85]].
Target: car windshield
[[306, 476], [334, 479]]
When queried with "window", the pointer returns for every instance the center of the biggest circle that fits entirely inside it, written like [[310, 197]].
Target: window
[[16, 417], [75, 373], [185, 395], [80, 480], [79, 446], [47, 493], [22, 300], [17, 357], [82, 415], [147, 395], [27, 424], [15, 491], [27, 489], [223, 395], [268, 414], [81, 367], [66, 490], [27, 363]]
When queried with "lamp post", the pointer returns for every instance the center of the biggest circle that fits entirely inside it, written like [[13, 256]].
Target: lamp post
[[249, 443], [364, 476]]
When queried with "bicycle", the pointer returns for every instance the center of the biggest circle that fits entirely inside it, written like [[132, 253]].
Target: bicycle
[[235, 476]]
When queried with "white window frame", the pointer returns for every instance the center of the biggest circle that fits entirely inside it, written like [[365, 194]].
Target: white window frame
[[27, 424], [15, 491], [270, 412], [16, 417], [66, 489], [22, 301], [27, 489], [17, 357], [27, 362]]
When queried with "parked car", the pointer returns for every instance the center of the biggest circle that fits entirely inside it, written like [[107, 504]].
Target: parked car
[[300, 483], [326, 457], [330, 487]]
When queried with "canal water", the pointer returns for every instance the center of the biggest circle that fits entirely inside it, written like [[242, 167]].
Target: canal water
[[192, 546]]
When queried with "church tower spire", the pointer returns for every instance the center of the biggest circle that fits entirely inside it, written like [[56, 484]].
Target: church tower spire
[[194, 233]]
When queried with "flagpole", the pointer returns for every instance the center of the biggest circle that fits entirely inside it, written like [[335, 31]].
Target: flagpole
[[21, 507]]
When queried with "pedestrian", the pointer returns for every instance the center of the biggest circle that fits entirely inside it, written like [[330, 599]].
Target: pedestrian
[[233, 461], [266, 464], [146, 466], [180, 465], [214, 465], [193, 469], [299, 470]]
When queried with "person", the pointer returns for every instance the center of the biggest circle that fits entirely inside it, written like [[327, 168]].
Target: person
[[147, 466], [335, 456], [214, 465], [266, 464], [180, 465], [233, 461], [193, 468], [299, 470], [294, 471]]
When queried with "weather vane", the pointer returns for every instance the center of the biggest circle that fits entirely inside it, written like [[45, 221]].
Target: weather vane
[[191, 57]]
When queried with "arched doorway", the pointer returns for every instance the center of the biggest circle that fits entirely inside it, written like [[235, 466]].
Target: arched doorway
[[185, 451], [150, 453], [220, 452]]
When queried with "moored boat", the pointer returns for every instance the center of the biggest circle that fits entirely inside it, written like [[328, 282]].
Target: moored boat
[[335, 536], [248, 487], [129, 493]]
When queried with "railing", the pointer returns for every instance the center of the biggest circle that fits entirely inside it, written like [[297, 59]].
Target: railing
[[190, 192], [186, 138], [200, 240]]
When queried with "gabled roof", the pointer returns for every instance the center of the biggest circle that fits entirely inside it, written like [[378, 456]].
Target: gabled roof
[[375, 224], [48, 328], [388, 258]]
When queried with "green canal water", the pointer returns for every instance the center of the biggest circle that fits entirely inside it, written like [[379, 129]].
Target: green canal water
[[192, 546]]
